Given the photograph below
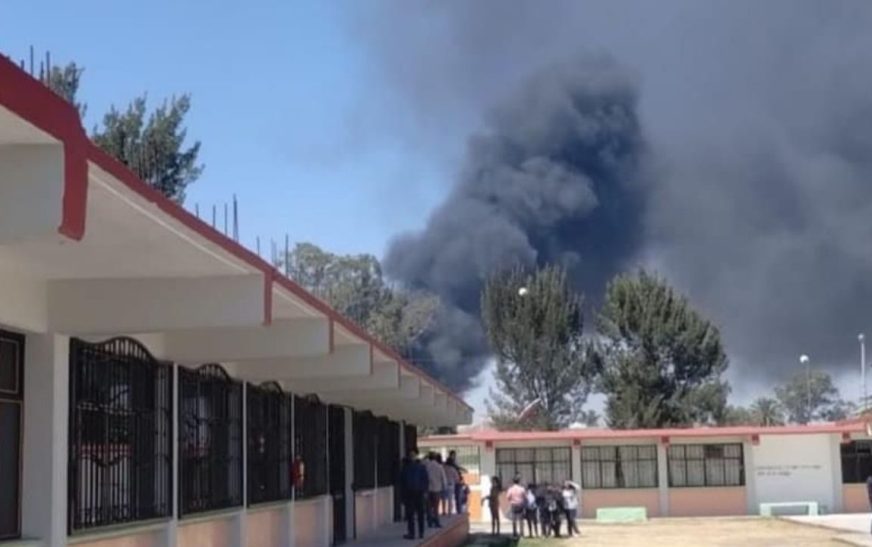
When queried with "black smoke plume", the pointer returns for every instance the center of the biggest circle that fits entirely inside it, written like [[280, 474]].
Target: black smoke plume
[[552, 178], [757, 124]]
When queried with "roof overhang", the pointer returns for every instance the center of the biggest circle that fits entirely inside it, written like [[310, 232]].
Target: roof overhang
[[88, 249]]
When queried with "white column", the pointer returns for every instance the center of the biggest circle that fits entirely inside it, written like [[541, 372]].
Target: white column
[[663, 478], [172, 530], [46, 426], [349, 475], [750, 477], [487, 469], [242, 517], [575, 463], [836, 466]]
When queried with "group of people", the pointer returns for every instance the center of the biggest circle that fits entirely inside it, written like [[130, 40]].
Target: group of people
[[542, 507], [431, 487]]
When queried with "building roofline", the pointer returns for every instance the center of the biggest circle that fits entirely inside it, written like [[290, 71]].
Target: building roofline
[[33, 102]]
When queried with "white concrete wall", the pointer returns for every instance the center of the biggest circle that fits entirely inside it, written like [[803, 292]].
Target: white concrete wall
[[31, 190], [23, 301], [794, 468]]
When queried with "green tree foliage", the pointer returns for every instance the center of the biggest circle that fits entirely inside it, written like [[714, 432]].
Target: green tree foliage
[[764, 411], [151, 144], [767, 411], [811, 396], [65, 82], [660, 361], [536, 338], [355, 286]]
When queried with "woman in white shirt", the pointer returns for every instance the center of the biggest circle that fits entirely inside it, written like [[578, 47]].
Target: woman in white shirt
[[570, 506]]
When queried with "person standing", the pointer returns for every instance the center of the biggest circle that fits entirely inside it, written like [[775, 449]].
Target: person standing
[[570, 507], [452, 478], [436, 485], [493, 503], [531, 512], [452, 461], [413, 485], [516, 495]]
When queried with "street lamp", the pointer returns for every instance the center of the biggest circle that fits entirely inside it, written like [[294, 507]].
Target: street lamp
[[523, 291], [862, 340], [804, 360]]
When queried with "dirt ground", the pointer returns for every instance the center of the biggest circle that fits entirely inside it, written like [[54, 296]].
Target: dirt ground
[[702, 532]]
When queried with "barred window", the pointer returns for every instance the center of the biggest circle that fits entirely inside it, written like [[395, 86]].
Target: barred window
[[534, 465], [120, 459], [310, 444], [619, 466], [410, 438], [364, 432], [268, 417], [388, 447], [856, 461], [706, 465], [467, 457], [210, 439]]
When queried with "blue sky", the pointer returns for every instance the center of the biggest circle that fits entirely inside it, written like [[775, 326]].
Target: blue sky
[[283, 100]]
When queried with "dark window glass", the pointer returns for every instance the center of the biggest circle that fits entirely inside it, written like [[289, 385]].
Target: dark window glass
[[856, 461], [534, 465], [706, 465], [120, 460], [619, 466], [10, 466], [268, 416], [310, 444]]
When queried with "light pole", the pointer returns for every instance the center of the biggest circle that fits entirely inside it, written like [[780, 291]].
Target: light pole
[[862, 340], [803, 359]]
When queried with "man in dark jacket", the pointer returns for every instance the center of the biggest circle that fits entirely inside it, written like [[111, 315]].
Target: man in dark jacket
[[413, 484]]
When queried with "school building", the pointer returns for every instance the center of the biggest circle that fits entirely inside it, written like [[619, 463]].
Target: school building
[[161, 385], [677, 472]]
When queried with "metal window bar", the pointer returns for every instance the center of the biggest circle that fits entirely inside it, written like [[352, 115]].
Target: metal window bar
[[11, 432], [702, 465], [269, 443], [120, 444], [210, 440], [310, 443], [364, 434], [856, 459], [624, 466], [534, 465]]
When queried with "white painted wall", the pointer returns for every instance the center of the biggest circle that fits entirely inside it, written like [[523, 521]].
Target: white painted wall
[[31, 190], [23, 301], [794, 468], [46, 408]]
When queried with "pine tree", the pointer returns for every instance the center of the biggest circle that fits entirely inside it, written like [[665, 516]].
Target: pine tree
[[660, 361], [534, 323]]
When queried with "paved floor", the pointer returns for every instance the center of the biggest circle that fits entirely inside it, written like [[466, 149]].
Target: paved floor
[[856, 526], [392, 535]]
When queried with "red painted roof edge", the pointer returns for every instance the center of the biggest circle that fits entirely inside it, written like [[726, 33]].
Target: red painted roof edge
[[35, 103], [606, 434]]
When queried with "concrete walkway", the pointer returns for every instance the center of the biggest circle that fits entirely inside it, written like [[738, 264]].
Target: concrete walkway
[[392, 535], [855, 525]]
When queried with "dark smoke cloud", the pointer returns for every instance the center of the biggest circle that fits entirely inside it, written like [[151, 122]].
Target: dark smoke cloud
[[758, 120], [552, 178]]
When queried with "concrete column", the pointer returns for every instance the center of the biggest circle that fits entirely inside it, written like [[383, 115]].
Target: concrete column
[[488, 468], [750, 477], [241, 519], [575, 464], [172, 530], [836, 466], [349, 475], [46, 426], [663, 478]]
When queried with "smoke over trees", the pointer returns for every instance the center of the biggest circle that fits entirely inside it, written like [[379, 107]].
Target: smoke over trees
[[734, 155]]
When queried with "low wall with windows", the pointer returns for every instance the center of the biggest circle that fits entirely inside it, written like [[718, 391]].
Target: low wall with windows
[[591, 500], [373, 509], [217, 532], [148, 539], [268, 527], [707, 501], [313, 522], [855, 499]]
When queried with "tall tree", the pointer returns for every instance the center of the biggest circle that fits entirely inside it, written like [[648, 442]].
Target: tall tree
[[355, 286], [660, 361], [766, 411], [152, 144], [810, 396], [534, 323]]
